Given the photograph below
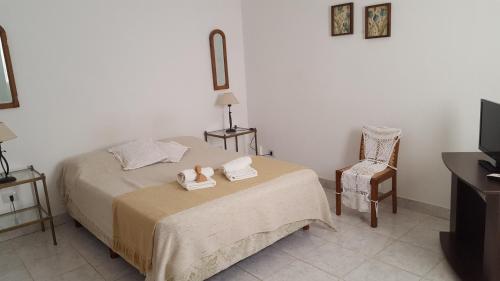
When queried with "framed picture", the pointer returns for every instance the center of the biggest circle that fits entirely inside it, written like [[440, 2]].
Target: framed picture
[[342, 19], [378, 21]]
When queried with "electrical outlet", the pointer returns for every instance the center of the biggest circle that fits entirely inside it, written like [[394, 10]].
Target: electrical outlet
[[6, 196]]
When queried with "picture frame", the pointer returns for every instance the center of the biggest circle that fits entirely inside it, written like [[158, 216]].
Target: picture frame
[[342, 19], [378, 21]]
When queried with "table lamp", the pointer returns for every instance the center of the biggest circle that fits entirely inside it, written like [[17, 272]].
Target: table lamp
[[228, 99], [5, 135]]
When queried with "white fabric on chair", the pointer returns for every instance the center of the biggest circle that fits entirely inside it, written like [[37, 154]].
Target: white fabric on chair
[[379, 143]]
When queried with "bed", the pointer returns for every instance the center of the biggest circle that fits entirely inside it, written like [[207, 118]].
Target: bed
[[202, 240]]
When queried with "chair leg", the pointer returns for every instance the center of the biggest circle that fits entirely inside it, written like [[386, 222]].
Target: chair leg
[[338, 195], [373, 204], [395, 193]]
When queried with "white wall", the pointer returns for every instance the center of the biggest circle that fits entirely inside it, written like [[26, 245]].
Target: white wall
[[94, 73], [309, 93]]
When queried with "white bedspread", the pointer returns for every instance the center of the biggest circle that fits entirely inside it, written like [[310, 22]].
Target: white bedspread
[[91, 181]]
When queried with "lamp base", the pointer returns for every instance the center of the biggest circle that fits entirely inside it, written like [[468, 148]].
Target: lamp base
[[7, 179], [231, 130]]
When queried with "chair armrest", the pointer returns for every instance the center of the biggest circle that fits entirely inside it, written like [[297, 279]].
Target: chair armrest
[[340, 171], [377, 178]]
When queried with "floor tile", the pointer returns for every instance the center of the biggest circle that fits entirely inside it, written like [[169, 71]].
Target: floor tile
[[411, 258], [299, 271], [233, 273], [393, 225], [6, 246], [330, 196], [377, 271], [364, 242], [349, 216], [299, 243], [334, 259], [442, 272], [132, 276], [114, 269], [17, 273], [46, 268], [266, 262], [425, 237], [97, 254], [84, 273], [93, 250], [33, 251], [9, 258], [38, 237], [436, 223], [328, 234]]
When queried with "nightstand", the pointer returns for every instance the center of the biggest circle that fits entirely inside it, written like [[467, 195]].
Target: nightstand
[[222, 134], [30, 215]]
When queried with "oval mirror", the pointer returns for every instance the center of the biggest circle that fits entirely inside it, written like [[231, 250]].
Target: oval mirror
[[219, 59], [8, 93]]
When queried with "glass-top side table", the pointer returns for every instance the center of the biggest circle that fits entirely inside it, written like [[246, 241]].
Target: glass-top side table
[[30, 215], [222, 134]]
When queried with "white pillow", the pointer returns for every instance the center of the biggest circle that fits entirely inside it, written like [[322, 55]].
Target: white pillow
[[173, 150], [138, 154]]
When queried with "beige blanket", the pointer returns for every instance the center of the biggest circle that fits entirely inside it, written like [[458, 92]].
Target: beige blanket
[[187, 243], [135, 214]]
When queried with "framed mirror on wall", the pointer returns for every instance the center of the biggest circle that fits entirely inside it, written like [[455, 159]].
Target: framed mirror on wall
[[8, 92], [219, 59]]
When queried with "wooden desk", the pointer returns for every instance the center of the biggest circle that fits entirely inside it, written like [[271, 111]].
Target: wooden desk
[[472, 246]]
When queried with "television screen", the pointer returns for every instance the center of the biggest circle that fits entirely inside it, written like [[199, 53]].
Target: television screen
[[489, 136]]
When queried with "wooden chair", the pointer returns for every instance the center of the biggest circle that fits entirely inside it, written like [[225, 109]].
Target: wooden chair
[[377, 179]]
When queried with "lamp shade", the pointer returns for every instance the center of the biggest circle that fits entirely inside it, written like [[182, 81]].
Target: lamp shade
[[227, 99], [5, 133]]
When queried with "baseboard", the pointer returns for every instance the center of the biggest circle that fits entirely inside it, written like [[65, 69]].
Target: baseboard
[[413, 205], [58, 220]]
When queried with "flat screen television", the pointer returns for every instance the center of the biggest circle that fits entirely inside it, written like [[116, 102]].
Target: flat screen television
[[489, 133]]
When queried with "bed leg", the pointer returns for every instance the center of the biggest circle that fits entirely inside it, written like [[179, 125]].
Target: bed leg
[[77, 224], [112, 254], [305, 228]]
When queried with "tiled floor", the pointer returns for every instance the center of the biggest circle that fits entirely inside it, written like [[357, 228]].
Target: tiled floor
[[404, 247]]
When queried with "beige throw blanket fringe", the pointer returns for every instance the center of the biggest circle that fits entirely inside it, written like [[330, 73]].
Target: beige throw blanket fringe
[[135, 214]]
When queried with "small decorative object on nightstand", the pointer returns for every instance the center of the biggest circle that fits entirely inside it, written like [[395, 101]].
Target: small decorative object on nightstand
[[30, 215], [223, 134]]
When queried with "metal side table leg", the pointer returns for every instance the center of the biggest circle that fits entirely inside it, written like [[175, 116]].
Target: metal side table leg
[[49, 210]]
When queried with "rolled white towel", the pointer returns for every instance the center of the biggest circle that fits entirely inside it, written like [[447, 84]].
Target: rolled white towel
[[190, 174], [193, 185], [237, 164], [242, 174]]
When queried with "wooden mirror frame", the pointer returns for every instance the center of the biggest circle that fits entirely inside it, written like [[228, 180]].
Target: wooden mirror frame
[[10, 72], [212, 55]]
